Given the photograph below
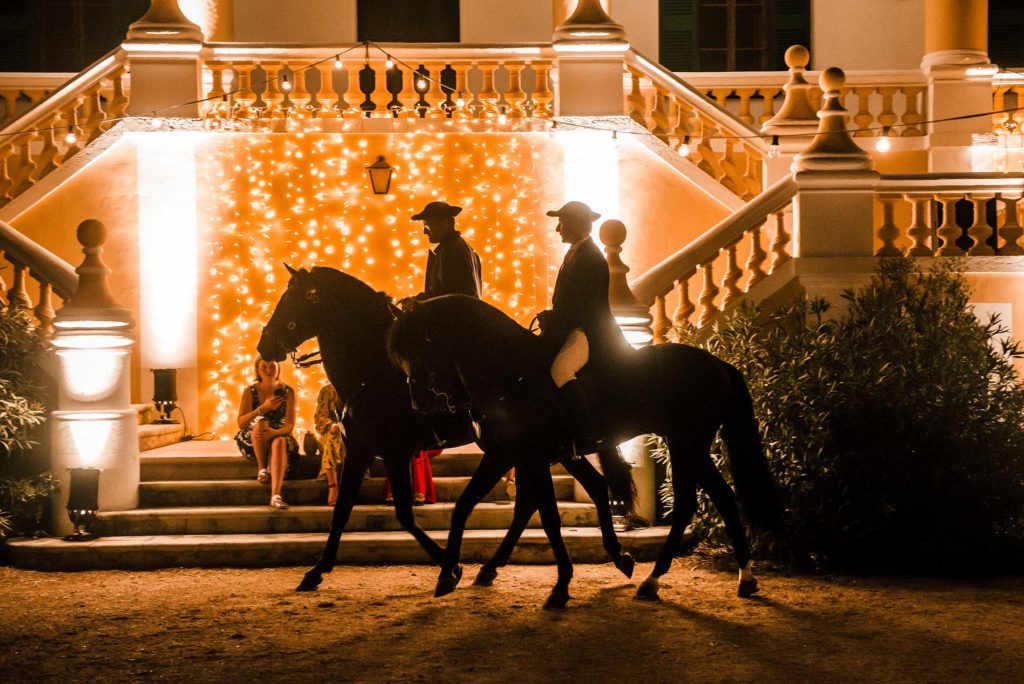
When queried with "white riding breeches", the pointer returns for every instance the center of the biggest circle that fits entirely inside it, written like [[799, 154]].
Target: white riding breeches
[[571, 358]]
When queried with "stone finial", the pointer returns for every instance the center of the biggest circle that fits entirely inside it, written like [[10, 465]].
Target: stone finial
[[93, 284], [613, 235], [589, 23], [832, 148], [164, 22], [797, 114]]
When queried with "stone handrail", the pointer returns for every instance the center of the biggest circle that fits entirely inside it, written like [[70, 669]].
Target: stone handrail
[[20, 91], [494, 81], [81, 106], [931, 228], [721, 144], [721, 242], [874, 98], [54, 275]]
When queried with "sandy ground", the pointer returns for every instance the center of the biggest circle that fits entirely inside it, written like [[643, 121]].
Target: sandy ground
[[382, 624]]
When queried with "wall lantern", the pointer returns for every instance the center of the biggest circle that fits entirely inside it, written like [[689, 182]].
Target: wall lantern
[[165, 393], [83, 502], [380, 176]]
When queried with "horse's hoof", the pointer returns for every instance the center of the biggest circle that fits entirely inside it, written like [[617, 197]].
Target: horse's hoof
[[557, 600], [647, 591], [485, 577], [625, 564], [446, 583], [310, 581], [747, 588]]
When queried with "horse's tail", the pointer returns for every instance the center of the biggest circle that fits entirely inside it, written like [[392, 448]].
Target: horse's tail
[[620, 480], [754, 484]]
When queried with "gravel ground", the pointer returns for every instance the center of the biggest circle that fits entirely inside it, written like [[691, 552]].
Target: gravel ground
[[382, 624]]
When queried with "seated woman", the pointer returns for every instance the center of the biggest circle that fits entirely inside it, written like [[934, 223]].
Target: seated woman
[[332, 446], [266, 416]]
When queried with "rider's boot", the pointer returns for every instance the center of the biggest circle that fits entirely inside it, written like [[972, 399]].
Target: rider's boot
[[585, 437]]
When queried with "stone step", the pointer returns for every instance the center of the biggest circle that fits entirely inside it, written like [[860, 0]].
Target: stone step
[[268, 550], [263, 519], [249, 492], [156, 436]]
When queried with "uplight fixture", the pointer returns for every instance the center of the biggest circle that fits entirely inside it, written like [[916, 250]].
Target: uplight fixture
[[83, 502]]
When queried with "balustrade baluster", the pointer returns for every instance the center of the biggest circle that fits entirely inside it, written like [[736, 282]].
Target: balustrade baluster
[[95, 116], [259, 79], [353, 95], [44, 309], [780, 240], [682, 131], [948, 231], [888, 232], [70, 114], [912, 116], [216, 79], [47, 159], [720, 95], [661, 325], [745, 95], [501, 78], [17, 296], [708, 161], [487, 97], [887, 117], [708, 309], [462, 91], [1010, 232], [24, 167], [312, 83], [286, 74], [435, 95], [659, 115], [407, 96], [920, 229], [733, 168], [684, 306], [980, 231], [543, 94], [245, 96], [636, 101], [768, 96], [755, 259], [515, 95], [10, 97], [6, 183], [863, 118], [731, 279]]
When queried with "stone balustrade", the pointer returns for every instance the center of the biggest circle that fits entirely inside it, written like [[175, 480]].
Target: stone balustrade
[[949, 215], [38, 142], [26, 260], [431, 82], [20, 92], [1008, 93]]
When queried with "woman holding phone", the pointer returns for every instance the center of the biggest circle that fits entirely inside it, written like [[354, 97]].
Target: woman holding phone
[[266, 417]]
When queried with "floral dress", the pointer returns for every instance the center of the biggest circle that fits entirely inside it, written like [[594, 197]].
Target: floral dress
[[274, 418], [332, 447]]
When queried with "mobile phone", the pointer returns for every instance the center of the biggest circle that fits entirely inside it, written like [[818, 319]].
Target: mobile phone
[[281, 392]]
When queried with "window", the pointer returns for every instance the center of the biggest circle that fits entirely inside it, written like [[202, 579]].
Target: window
[[409, 21], [1006, 33], [731, 35]]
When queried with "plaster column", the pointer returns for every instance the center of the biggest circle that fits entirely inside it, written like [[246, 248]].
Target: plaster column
[[94, 425], [563, 9], [959, 79], [797, 119], [590, 46], [163, 56], [216, 18]]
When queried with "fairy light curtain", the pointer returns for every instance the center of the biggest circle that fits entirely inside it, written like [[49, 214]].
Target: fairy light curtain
[[305, 198]]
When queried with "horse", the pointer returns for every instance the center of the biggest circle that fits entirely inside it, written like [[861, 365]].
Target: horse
[[682, 393], [351, 321]]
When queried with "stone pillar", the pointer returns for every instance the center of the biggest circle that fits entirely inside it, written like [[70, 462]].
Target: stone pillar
[[590, 46], [216, 18], [94, 425], [563, 9], [163, 56], [833, 212], [959, 79], [797, 118]]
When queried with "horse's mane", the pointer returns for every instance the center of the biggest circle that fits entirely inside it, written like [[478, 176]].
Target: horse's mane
[[349, 286]]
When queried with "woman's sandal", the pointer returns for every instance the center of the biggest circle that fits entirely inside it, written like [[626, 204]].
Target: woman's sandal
[[332, 494], [263, 476], [277, 502]]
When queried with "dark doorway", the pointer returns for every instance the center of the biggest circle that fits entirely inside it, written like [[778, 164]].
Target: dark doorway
[[409, 21]]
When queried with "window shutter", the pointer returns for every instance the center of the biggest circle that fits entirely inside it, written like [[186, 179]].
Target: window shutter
[[1006, 33], [791, 25], [677, 34]]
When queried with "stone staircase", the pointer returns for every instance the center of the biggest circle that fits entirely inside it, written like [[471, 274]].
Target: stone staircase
[[200, 506]]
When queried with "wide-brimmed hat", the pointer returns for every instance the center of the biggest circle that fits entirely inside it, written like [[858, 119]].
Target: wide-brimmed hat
[[576, 210], [435, 210]]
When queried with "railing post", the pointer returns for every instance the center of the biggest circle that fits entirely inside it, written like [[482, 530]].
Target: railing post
[[94, 425], [163, 56], [797, 119], [590, 47]]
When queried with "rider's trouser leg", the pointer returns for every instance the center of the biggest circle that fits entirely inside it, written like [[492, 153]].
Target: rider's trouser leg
[[571, 358]]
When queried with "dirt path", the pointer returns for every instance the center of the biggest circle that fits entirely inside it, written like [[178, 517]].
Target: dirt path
[[381, 624]]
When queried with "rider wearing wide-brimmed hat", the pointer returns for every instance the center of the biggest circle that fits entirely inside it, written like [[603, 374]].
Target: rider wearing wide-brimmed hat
[[452, 266], [580, 319]]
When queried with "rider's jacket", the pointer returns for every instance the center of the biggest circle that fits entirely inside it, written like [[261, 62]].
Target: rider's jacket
[[453, 268]]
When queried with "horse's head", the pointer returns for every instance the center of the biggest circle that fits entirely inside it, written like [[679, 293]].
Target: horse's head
[[295, 319], [418, 346]]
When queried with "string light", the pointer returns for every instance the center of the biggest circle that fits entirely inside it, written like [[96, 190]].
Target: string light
[[883, 144], [460, 102], [71, 138], [421, 83], [502, 118], [337, 62], [684, 149], [286, 85], [155, 122], [773, 150], [389, 63]]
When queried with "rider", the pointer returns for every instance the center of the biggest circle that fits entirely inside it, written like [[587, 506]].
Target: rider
[[580, 320], [452, 266]]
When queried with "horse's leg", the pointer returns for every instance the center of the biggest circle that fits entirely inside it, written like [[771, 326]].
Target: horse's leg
[[487, 475], [722, 496], [597, 488], [539, 480], [526, 504], [351, 480], [397, 466], [683, 452]]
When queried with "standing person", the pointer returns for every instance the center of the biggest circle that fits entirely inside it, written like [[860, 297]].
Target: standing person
[[332, 447], [580, 320], [452, 266], [266, 417]]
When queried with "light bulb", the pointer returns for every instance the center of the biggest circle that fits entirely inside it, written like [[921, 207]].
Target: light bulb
[[337, 62], [773, 149], [286, 86], [389, 63], [502, 118], [421, 84], [684, 149], [71, 138], [156, 122], [883, 144]]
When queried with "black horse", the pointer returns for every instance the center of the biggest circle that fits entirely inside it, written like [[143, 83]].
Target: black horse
[[351, 321], [683, 393]]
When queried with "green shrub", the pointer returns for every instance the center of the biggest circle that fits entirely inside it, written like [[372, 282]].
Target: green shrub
[[24, 396], [895, 430]]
